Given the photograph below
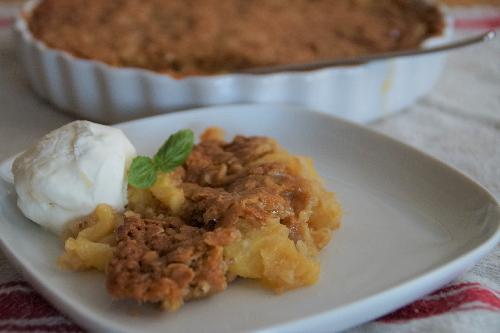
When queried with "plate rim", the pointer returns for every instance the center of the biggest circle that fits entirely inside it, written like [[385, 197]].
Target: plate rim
[[73, 310]]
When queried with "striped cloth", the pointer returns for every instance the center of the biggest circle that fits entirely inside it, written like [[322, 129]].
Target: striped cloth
[[469, 304]]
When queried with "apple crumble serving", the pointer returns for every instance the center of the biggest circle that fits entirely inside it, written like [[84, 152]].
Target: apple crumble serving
[[245, 208], [194, 37]]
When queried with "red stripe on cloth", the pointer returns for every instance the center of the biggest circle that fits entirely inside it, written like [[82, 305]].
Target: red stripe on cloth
[[481, 23], [477, 307], [63, 328], [457, 286], [454, 287], [454, 302], [23, 305], [6, 22], [26, 305], [9, 284]]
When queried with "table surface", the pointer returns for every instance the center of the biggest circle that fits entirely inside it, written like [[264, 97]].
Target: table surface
[[459, 123]]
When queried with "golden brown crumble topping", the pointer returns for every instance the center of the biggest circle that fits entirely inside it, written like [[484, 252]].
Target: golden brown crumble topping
[[248, 209], [166, 261], [215, 36]]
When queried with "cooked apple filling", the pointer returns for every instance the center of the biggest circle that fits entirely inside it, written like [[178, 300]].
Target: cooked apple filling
[[245, 208]]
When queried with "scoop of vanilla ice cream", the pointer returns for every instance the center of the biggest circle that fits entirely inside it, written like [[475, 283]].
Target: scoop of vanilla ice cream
[[72, 170]]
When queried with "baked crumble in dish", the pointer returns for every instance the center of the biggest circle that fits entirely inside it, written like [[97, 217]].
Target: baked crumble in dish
[[194, 37], [245, 208]]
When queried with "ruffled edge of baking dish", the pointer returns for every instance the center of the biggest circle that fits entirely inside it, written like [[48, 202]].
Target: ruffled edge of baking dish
[[97, 91]]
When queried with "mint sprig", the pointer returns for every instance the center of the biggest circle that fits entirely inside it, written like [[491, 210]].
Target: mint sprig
[[174, 152], [142, 172]]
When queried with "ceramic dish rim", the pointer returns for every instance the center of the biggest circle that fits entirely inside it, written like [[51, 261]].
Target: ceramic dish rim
[[64, 303]]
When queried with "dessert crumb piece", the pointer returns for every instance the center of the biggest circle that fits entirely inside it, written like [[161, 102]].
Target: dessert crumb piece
[[166, 261]]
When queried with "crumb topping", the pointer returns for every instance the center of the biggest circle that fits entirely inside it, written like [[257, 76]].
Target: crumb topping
[[166, 261], [215, 36], [249, 209]]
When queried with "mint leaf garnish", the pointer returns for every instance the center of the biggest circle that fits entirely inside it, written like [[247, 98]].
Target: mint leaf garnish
[[142, 172], [174, 152]]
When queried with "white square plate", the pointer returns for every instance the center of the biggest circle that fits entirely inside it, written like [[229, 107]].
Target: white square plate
[[411, 224]]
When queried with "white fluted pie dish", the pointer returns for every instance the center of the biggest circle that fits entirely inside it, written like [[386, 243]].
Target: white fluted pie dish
[[94, 90]]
